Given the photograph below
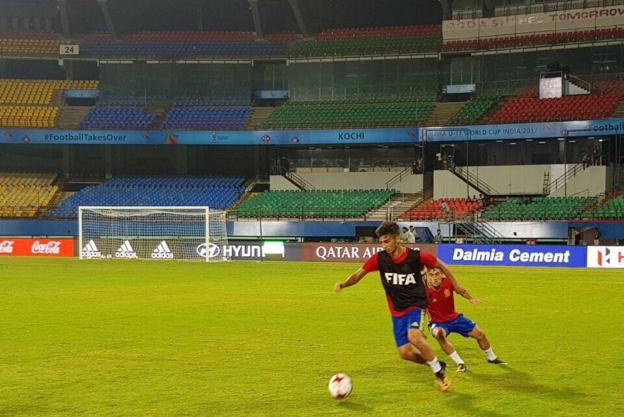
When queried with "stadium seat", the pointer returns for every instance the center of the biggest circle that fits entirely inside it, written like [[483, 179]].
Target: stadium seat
[[313, 204], [218, 192]]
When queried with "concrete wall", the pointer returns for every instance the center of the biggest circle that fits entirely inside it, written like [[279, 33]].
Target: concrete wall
[[351, 181], [589, 182], [508, 179]]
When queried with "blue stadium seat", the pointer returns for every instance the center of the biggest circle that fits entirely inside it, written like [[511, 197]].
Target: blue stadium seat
[[218, 192]]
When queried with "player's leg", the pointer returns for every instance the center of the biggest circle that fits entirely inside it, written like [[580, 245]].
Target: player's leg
[[410, 339], [485, 345], [440, 333], [409, 353], [417, 338]]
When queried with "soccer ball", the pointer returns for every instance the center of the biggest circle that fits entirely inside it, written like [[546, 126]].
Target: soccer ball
[[340, 386]]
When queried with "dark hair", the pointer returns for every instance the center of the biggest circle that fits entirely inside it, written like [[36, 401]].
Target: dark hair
[[387, 228]]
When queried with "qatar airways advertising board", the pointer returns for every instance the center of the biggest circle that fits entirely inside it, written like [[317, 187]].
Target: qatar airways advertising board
[[36, 247], [514, 255]]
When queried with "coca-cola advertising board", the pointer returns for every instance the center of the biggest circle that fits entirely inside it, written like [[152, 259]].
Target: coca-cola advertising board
[[36, 247]]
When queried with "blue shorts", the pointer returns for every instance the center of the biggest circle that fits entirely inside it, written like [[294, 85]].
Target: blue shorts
[[462, 325], [401, 325]]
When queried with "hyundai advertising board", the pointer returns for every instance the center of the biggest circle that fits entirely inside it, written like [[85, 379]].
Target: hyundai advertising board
[[514, 255]]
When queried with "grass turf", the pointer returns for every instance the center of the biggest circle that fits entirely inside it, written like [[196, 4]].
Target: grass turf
[[95, 338]]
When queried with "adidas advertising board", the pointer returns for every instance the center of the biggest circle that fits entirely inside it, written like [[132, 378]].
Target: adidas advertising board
[[162, 251], [90, 251], [126, 251]]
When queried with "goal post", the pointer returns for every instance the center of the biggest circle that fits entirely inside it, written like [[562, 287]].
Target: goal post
[[188, 233]]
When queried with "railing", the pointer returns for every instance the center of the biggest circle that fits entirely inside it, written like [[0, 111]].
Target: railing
[[563, 178], [299, 181], [398, 178], [472, 180], [579, 82], [478, 232]]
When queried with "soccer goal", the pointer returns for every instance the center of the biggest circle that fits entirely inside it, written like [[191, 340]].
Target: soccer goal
[[190, 233]]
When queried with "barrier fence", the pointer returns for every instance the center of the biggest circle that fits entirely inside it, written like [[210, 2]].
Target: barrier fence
[[493, 255]]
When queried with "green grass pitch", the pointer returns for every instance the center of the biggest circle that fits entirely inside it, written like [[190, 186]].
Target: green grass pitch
[[115, 338]]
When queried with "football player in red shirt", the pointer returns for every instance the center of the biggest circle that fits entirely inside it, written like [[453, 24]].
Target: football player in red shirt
[[400, 269], [444, 320]]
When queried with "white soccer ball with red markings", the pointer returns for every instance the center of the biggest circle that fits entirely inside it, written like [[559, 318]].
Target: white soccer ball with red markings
[[340, 386]]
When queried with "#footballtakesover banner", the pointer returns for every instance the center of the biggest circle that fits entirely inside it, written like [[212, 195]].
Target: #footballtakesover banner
[[241, 137], [514, 255]]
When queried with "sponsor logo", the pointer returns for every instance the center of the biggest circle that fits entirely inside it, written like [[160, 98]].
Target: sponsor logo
[[514, 256], [212, 250], [346, 252], [400, 279], [126, 251], [208, 251], [53, 247], [90, 250], [605, 257], [6, 246], [162, 251]]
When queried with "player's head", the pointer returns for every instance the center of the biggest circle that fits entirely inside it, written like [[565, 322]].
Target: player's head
[[389, 236], [434, 276]]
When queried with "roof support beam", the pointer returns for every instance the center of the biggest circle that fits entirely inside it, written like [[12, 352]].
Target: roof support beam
[[64, 18], [447, 9], [107, 17], [294, 4], [255, 13]]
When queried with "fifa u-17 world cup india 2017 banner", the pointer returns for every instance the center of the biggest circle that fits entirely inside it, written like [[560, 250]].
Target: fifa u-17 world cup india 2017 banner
[[542, 130], [548, 22], [348, 252], [157, 137], [514, 255]]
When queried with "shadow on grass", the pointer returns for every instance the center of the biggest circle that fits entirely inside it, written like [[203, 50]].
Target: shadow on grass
[[354, 406], [516, 380], [464, 402]]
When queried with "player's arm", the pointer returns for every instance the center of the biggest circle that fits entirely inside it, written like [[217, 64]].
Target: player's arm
[[353, 279], [457, 287]]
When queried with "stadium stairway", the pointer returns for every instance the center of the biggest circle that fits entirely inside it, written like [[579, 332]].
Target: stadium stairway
[[159, 110], [619, 110], [70, 116], [393, 208], [443, 112], [258, 116]]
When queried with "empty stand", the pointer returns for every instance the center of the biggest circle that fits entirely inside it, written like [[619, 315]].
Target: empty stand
[[612, 209], [215, 192], [314, 204], [28, 116], [207, 118], [580, 107], [25, 194], [37, 92], [474, 110], [117, 118], [539, 208], [332, 115], [535, 39], [444, 208]]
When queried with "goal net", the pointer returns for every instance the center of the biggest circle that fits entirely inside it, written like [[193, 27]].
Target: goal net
[[191, 233]]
